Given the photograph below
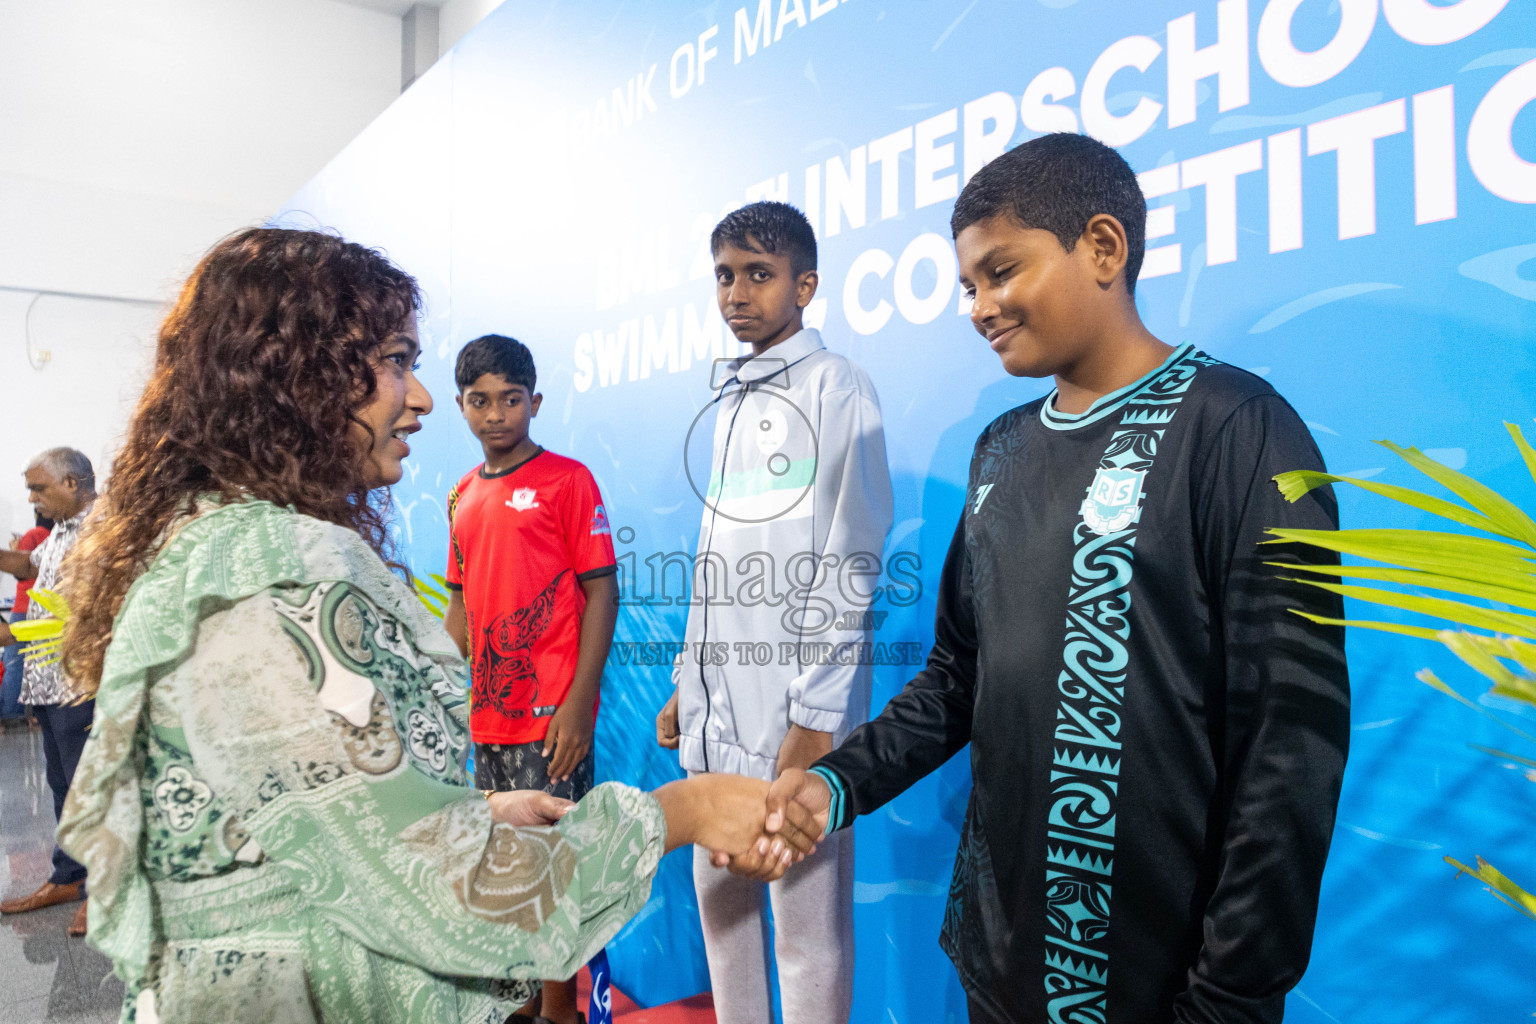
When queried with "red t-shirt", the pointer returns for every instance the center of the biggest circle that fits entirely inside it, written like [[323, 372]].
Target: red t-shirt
[[520, 542], [29, 542]]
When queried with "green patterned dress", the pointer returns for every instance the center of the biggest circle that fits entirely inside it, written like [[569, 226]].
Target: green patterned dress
[[273, 804]]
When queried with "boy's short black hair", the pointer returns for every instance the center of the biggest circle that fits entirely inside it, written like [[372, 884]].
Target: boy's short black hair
[[495, 353], [774, 227], [1057, 183]]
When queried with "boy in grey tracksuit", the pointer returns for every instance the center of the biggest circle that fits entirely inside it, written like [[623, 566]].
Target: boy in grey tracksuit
[[777, 666]]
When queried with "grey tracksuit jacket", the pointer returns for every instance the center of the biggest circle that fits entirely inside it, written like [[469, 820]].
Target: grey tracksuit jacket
[[795, 516]]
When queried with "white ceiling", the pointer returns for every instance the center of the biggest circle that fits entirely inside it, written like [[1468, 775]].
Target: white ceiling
[[394, 7]]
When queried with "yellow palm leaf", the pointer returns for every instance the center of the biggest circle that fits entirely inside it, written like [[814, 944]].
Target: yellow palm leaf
[[52, 601], [43, 638], [434, 596], [33, 630], [1495, 566], [1499, 885]]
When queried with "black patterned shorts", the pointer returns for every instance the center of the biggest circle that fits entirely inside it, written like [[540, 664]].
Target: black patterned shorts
[[504, 767]]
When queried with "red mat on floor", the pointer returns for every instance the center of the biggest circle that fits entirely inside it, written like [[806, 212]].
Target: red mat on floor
[[699, 1009]]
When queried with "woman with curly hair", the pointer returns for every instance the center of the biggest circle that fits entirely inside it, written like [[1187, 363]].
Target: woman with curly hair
[[272, 805]]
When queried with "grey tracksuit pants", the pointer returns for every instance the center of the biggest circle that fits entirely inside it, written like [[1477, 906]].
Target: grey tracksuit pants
[[813, 937]]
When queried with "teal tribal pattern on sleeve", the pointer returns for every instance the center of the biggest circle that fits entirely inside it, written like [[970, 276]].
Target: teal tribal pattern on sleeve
[[1086, 760]]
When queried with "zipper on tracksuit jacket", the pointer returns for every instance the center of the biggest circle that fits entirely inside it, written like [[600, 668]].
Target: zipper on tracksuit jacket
[[714, 514]]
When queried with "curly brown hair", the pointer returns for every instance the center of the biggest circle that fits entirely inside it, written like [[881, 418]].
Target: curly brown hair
[[260, 369]]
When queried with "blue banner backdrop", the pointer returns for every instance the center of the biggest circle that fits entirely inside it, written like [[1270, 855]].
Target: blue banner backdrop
[[1340, 203]]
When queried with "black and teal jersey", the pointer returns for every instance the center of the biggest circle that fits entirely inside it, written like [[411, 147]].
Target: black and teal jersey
[[1157, 741]]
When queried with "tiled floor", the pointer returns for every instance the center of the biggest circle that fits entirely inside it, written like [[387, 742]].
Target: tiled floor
[[44, 974]]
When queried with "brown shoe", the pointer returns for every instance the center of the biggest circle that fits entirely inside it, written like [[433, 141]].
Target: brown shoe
[[77, 927], [48, 895]]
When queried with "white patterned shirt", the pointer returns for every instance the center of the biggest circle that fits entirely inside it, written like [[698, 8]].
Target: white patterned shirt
[[46, 684]]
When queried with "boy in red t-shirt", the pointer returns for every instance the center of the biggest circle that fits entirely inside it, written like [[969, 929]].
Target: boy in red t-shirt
[[534, 597]]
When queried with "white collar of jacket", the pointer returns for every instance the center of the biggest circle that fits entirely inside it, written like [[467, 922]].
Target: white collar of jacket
[[754, 369]]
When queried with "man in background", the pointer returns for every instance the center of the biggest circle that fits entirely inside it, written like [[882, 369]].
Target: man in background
[[60, 485]]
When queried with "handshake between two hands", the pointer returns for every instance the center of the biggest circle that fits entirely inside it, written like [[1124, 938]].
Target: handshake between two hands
[[755, 829], [751, 827], [758, 830]]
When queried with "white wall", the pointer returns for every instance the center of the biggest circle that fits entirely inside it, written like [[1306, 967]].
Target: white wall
[[457, 17], [133, 136], [100, 354]]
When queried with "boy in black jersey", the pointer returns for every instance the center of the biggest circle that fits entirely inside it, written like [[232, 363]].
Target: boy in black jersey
[[1156, 740]]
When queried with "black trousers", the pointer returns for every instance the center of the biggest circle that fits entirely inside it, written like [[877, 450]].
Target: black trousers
[[65, 728]]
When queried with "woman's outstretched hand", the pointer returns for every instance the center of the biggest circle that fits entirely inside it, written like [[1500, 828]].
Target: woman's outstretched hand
[[526, 807]]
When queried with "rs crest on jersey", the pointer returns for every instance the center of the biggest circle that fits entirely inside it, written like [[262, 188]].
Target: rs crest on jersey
[[1114, 500], [523, 499]]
